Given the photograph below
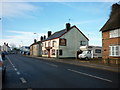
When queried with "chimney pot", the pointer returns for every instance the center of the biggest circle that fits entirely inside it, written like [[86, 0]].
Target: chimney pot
[[49, 33], [35, 40], [44, 37], [41, 38], [67, 27]]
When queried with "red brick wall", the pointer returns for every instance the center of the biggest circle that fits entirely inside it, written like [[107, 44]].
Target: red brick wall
[[106, 42]]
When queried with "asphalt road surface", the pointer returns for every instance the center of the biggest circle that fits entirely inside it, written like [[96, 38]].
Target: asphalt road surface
[[26, 72]]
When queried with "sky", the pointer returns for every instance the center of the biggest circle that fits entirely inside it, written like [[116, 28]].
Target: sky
[[23, 21]]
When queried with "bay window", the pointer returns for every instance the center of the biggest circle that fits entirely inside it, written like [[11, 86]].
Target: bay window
[[114, 50]]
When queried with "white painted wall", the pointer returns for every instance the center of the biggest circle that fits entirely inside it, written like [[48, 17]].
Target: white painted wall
[[73, 43], [55, 47], [37, 50]]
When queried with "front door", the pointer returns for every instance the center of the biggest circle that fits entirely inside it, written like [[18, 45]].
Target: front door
[[48, 53]]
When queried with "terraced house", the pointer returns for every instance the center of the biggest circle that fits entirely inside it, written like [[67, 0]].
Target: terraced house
[[111, 35], [64, 43]]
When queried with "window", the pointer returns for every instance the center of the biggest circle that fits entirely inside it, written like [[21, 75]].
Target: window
[[45, 52], [97, 50], [82, 43], [60, 52], [110, 52], [41, 44], [114, 33], [54, 43], [117, 52], [49, 44], [114, 50], [63, 42], [42, 52], [45, 44], [53, 52]]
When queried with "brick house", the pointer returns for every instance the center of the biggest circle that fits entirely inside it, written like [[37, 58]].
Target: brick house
[[111, 35], [64, 43]]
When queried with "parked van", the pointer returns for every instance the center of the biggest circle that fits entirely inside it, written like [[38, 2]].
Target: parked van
[[90, 52]]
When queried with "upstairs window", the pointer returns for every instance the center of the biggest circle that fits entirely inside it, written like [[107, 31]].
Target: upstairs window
[[114, 33], [49, 44], [54, 43], [41, 44], [45, 44], [83, 43], [63, 42]]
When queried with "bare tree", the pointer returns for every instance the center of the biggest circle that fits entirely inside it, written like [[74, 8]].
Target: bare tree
[[12, 45]]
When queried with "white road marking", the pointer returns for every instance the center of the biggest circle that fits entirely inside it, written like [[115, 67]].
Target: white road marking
[[23, 80], [52, 64], [90, 75], [10, 61], [18, 73], [15, 69]]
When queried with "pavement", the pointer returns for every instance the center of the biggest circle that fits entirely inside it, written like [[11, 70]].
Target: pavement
[[114, 68]]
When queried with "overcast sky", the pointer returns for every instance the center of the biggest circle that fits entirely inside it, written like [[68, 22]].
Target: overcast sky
[[20, 20]]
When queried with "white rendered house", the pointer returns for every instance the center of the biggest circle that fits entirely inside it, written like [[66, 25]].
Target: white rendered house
[[64, 43]]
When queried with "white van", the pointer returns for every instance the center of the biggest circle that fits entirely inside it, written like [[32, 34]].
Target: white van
[[90, 52]]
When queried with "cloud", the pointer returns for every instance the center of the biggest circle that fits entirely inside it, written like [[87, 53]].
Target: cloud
[[17, 9], [27, 38]]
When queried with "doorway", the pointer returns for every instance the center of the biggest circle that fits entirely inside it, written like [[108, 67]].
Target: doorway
[[48, 53]]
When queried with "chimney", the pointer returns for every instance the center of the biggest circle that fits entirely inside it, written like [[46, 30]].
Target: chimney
[[115, 9], [49, 33], [35, 40], [41, 38], [67, 27], [44, 37]]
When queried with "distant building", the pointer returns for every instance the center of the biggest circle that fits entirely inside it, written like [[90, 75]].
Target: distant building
[[36, 49], [5, 47], [111, 35], [64, 43], [25, 50]]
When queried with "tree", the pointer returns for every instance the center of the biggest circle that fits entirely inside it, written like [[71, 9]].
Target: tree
[[12, 45]]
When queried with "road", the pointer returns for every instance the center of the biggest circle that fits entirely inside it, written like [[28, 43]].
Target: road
[[26, 72]]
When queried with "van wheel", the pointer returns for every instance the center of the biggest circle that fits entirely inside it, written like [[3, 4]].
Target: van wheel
[[86, 58]]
